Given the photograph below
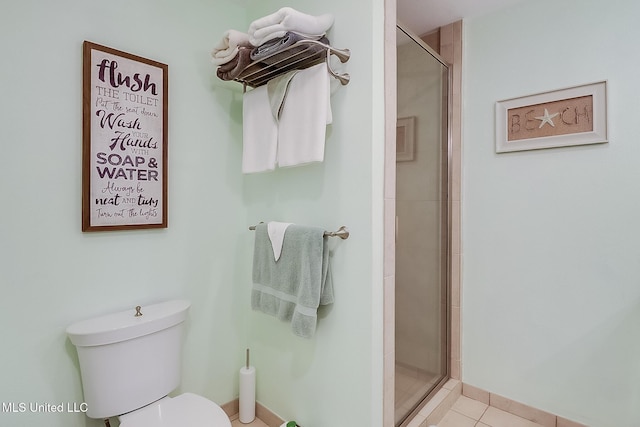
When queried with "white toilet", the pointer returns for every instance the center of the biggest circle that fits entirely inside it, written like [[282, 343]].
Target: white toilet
[[130, 361]]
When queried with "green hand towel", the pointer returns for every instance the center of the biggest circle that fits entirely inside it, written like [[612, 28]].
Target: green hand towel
[[292, 288]]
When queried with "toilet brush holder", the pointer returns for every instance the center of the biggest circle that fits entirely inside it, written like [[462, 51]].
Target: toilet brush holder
[[247, 399]]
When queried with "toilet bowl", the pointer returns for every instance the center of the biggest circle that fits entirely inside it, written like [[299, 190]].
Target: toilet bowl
[[129, 363], [185, 410]]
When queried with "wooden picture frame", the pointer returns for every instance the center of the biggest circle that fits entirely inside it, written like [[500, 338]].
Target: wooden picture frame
[[405, 139], [565, 117], [124, 140]]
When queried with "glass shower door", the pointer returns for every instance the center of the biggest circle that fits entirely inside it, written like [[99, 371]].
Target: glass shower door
[[422, 155]]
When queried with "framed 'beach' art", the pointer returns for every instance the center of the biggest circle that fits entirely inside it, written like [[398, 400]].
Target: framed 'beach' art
[[572, 116], [124, 140]]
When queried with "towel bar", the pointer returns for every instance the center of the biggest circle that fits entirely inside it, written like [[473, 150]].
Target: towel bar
[[342, 232]]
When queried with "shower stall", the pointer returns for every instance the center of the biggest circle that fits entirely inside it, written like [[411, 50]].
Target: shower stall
[[422, 225]]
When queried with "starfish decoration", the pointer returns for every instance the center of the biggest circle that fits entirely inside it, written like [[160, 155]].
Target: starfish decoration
[[546, 118]]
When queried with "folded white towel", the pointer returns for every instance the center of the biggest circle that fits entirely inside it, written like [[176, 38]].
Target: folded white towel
[[259, 132], [305, 114], [288, 19], [276, 232], [227, 48]]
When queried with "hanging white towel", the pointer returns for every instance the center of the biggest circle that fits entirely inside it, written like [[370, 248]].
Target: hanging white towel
[[227, 48], [277, 89], [259, 132], [276, 232], [304, 116], [288, 19]]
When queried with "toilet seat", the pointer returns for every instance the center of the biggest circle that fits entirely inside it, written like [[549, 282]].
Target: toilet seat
[[185, 410]]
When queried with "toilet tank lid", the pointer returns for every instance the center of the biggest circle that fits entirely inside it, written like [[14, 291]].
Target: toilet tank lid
[[124, 325]]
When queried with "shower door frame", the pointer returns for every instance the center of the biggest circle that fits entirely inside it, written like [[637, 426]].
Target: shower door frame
[[446, 224]]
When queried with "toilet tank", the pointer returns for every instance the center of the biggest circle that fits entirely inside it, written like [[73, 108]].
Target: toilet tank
[[129, 361]]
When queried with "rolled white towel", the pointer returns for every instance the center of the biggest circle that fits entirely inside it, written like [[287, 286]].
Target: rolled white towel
[[227, 48], [288, 19]]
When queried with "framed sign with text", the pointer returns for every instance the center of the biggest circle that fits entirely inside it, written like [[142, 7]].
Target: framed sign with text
[[124, 140], [572, 116]]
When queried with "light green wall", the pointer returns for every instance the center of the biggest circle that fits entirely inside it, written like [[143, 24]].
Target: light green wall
[[551, 295], [330, 380], [52, 274]]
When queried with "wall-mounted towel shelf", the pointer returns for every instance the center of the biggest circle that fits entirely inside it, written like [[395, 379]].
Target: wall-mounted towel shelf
[[300, 55], [342, 232]]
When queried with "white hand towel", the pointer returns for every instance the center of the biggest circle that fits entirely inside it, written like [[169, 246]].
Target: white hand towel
[[305, 114], [259, 132], [288, 19], [227, 48], [276, 232]]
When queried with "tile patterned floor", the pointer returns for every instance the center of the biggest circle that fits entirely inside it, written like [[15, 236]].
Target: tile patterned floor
[[464, 413], [467, 412]]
